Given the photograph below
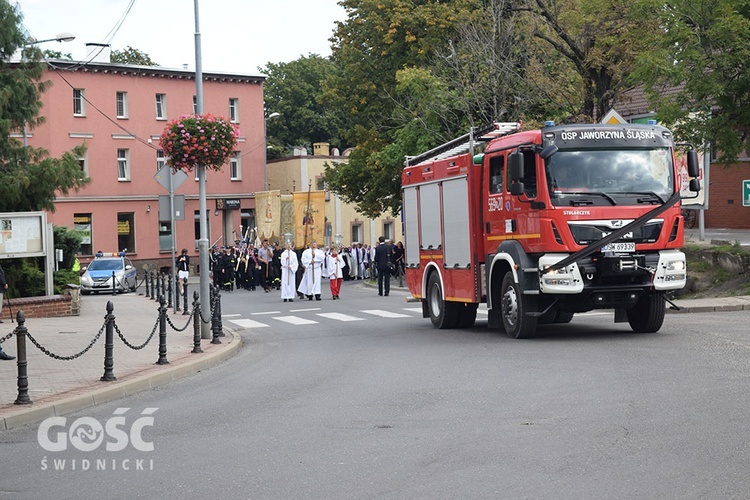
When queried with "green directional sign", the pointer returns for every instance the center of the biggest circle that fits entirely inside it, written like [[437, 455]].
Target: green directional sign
[[746, 193]]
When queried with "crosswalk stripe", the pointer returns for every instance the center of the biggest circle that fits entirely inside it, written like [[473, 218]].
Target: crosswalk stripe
[[386, 314], [294, 320], [247, 323], [340, 317]]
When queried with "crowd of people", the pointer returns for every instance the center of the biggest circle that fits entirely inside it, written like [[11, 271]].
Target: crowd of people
[[298, 274]]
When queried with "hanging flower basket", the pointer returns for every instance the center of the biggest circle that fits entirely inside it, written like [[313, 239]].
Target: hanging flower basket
[[194, 140]]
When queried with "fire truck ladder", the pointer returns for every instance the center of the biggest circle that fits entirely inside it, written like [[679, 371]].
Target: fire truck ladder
[[465, 143]]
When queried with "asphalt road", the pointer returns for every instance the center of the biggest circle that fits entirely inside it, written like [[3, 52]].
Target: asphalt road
[[387, 407]]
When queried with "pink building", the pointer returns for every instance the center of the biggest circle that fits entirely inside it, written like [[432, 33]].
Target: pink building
[[119, 112]]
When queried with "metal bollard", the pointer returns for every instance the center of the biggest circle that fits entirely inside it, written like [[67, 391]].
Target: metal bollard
[[177, 299], [185, 295], [162, 332], [21, 362], [114, 284], [215, 318], [169, 291], [218, 316], [109, 345], [153, 286], [196, 322], [145, 279]]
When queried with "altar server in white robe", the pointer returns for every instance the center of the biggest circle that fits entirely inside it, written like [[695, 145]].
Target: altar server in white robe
[[289, 265], [312, 261]]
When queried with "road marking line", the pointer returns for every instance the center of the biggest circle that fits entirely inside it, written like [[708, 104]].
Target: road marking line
[[413, 309], [294, 320], [247, 323], [265, 312], [340, 317], [304, 310], [386, 314], [230, 315]]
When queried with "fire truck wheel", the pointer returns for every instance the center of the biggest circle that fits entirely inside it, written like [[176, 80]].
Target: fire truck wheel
[[442, 314], [514, 306], [647, 315]]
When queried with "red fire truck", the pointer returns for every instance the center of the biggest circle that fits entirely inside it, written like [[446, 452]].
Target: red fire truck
[[546, 223]]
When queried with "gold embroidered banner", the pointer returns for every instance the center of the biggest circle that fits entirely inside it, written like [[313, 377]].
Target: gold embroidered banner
[[268, 214], [309, 218]]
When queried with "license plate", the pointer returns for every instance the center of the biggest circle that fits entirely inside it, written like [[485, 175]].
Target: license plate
[[619, 247]]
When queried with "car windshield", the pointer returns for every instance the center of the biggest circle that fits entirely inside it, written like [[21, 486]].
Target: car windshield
[[610, 171], [105, 265]]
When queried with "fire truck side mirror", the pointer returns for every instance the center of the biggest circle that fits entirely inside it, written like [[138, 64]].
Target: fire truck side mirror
[[516, 173]]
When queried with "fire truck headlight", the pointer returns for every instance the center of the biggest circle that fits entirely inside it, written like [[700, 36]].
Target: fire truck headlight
[[676, 265]]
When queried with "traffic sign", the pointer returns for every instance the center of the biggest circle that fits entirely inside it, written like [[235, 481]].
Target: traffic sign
[[166, 172], [746, 193]]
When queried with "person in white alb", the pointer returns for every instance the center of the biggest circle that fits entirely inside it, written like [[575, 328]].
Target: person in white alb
[[312, 261], [289, 265], [335, 269], [354, 266]]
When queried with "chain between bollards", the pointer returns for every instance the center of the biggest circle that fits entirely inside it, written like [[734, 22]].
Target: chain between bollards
[[162, 332], [109, 345], [196, 322], [22, 363]]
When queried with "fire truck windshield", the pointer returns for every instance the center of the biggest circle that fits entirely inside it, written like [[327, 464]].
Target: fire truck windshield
[[616, 172]]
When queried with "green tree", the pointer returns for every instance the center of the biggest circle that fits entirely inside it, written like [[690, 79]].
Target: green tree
[[384, 53], [294, 90], [29, 178], [131, 56], [702, 54]]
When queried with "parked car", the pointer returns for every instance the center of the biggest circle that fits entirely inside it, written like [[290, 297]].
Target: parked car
[[97, 276]]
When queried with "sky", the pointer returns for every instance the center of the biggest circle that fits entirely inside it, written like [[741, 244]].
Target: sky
[[237, 36]]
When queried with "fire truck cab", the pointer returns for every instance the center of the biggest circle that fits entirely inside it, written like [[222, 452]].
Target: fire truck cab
[[546, 223]]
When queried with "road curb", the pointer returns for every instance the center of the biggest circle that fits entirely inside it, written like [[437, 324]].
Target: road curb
[[119, 389]]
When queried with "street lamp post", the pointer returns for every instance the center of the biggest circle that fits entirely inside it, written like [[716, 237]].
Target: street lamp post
[[265, 148], [62, 37], [203, 240]]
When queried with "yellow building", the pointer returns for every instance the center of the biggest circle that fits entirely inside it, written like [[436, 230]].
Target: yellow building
[[303, 174]]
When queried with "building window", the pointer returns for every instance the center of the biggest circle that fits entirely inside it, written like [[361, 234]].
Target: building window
[[122, 104], [234, 110], [161, 106], [82, 226], [357, 233], [235, 166], [79, 102], [126, 232], [388, 231], [84, 164], [161, 160], [320, 183], [123, 165], [195, 105], [165, 236]]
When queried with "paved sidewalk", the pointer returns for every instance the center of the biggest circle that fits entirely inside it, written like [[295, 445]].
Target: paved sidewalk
[[57, 387]]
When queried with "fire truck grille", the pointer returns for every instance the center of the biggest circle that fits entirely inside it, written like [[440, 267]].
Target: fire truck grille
[[586, 234]]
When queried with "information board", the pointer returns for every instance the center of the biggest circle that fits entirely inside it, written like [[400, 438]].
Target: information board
[[23, 234]]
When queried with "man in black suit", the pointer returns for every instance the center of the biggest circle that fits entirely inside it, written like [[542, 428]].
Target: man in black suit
[[382, 260]]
